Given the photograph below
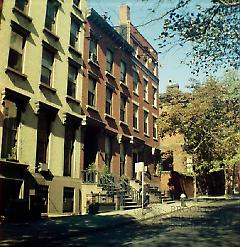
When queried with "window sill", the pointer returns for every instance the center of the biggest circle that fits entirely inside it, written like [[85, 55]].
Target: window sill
[[24, 15], [123, 123], [50, 33], [154, 107], [47, 87], [136, 130], [90, 61], [109, 116], [146, 101], [72, 99], [107, 73], [77, 8], [12, 162], [136, 94], [146, 135], [155, 139], [89, 107], [123, 84], [16, 72], [75, 51]]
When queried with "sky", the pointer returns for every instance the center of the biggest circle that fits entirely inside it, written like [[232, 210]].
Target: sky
[[141, 11]]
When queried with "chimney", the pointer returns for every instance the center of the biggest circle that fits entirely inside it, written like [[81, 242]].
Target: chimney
[[124, 14]]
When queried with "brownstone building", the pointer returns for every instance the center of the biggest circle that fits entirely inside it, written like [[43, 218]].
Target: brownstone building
[[120, 97]]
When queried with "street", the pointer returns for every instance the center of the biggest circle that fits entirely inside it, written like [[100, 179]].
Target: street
[[214, 224]]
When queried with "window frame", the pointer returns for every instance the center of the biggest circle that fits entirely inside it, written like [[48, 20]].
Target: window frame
[[145, 89], [14, 52], [50, 68], [135, 116], [76, 3], [123, 106], [43, 136], [74, 36], [72, 83], [154, 96], [92, 93], [135, 81], [93, 49], [123, 71], [10, 130], [24, 7], [108, 102], [50, 21], [109, 61], [154, 127], [146, 122]]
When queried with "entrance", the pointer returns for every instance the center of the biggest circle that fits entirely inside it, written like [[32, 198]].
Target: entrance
[[90, 145]]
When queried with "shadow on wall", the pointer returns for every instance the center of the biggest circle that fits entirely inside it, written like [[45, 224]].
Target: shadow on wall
[[179, 184]]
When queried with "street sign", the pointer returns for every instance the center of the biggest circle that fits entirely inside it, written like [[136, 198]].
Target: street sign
[[139, 166]]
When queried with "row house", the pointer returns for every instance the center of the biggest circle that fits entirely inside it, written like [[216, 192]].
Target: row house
[[40, 112], [145, 100], [74, 94]]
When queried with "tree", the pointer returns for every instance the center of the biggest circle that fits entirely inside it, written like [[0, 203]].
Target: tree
[[209, 119], [211, 27]]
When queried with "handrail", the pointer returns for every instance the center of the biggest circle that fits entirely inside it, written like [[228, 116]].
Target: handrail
[[111, 184]]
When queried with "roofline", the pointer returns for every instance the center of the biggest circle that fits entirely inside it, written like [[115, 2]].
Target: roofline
[[115, 36]]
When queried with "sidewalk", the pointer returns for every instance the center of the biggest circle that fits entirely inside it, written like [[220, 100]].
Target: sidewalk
[[62, 227]]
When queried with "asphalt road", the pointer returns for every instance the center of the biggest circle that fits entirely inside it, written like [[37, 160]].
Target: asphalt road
[[215, 224]]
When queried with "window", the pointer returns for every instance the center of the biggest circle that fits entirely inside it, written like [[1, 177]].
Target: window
[[51, 13], [145, 122], [154, 127], [122, 158], [22, 5], [108, 152], [69, 140], [123, 109], [76, 2], [74, 33], [108, 109], [47, 66], [154, 67], [154, 96], [123, 72], [135, 116], [91, 92], [15, 57], [109, 61], [135, 49], [72, 80], [43, 133], [145, 89], [93, 49], [68, 199], [135, 82], [11, 121]]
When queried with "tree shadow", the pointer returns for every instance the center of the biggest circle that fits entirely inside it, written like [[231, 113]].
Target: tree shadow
[[218, 227]]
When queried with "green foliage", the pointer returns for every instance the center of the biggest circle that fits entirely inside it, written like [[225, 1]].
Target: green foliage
[[212, 29], [208, 118]]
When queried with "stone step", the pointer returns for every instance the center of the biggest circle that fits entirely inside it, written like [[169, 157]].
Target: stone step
[[131, 207]]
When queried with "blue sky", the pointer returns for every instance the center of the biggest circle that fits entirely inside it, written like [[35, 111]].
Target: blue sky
[[170, 67]]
